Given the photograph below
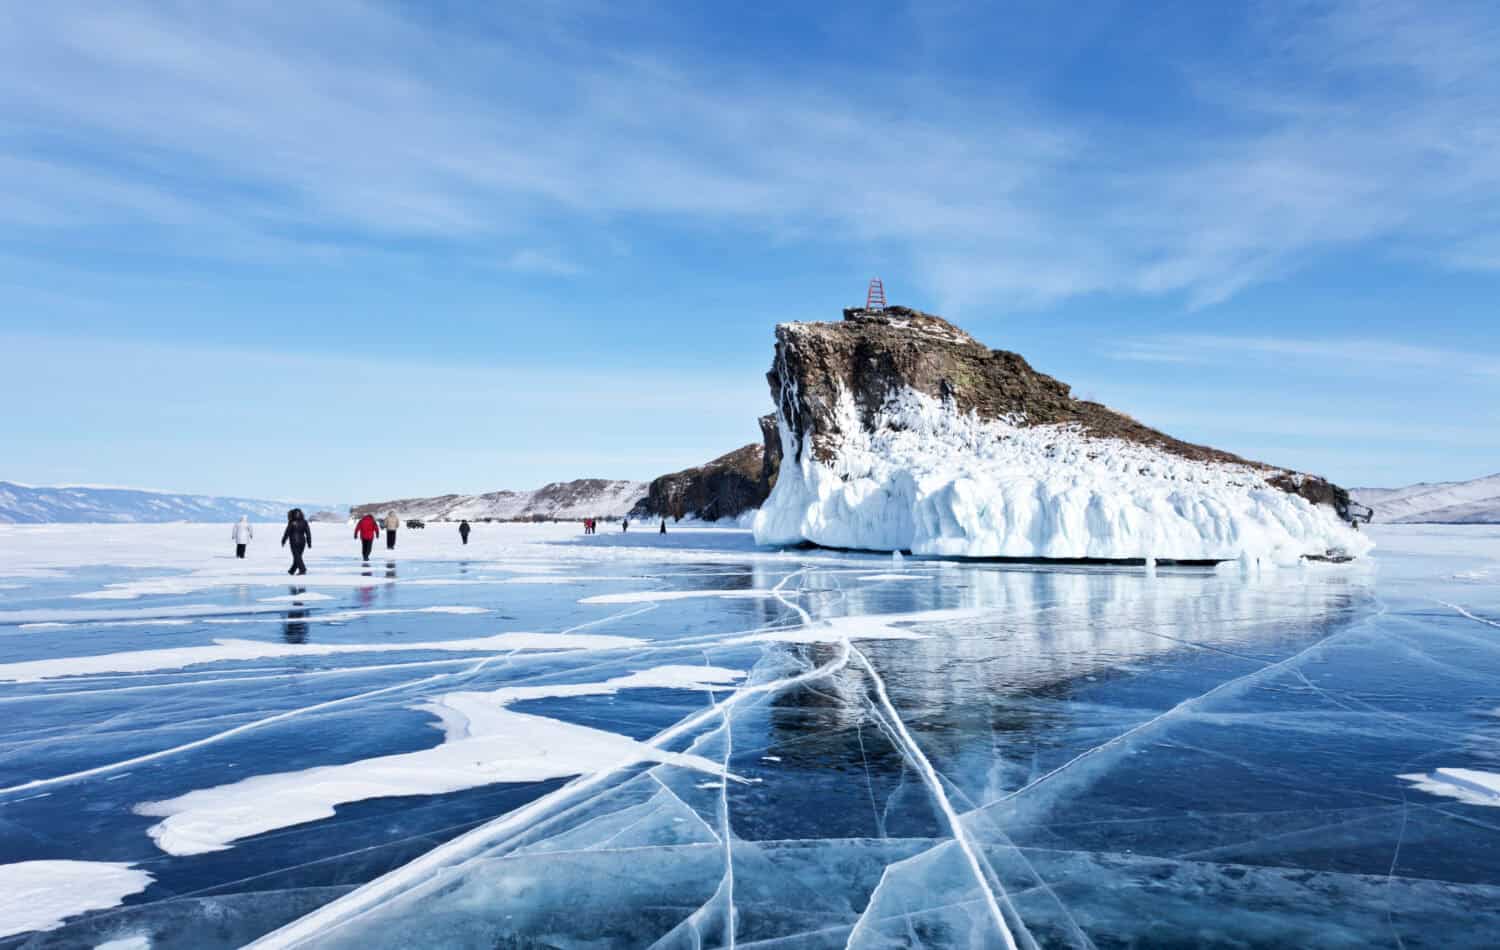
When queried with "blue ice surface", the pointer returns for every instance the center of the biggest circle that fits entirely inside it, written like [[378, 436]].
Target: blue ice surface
[[1171, 758]]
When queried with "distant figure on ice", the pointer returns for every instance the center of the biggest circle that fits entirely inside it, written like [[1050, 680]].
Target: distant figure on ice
[[366, 531], [663, 526], [391, 524], [242, 534], [299, 535], [624, 525], [463, 531]]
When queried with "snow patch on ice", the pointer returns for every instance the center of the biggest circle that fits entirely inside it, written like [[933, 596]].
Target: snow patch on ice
[[935, 481], [259, 615], [63, 615], [651, 596], [142, 661], [661, 677], [484, 743], [1467, 785], [565, 578], [40, 895]]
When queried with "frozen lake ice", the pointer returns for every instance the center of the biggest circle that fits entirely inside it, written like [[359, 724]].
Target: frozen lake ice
[[550, 740]]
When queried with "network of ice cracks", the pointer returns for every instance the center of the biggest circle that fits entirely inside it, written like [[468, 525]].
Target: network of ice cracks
[[926, 478], [744, 818]]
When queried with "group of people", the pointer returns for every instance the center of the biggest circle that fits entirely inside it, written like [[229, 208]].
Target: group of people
[[368, 529], [298, 535], [591, 525]]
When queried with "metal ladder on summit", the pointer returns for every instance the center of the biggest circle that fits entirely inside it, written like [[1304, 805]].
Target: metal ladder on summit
[[875, 297]]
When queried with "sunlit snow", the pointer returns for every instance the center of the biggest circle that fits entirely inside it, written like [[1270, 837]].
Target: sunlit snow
[[926, 478]]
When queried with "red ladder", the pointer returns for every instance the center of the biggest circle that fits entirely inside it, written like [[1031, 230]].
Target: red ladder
[[875, 298]]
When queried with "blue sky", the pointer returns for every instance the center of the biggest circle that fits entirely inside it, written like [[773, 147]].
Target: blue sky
[[354, 250]]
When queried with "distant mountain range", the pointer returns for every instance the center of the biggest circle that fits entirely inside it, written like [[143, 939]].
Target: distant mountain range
[[580, 498], [29, 504], [1471, 502]]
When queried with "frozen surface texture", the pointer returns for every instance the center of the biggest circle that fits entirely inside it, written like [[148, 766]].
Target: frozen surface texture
[[901, 432], [688, 740]]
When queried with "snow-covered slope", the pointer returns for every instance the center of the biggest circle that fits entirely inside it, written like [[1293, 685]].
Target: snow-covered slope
[[1471, 502], [28, 504], [930, 479], [581, 498]]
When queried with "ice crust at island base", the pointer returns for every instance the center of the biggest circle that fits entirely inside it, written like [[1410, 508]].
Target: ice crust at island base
[[929, 479]]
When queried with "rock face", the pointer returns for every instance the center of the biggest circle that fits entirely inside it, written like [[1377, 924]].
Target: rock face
[[726, 487], [902, 431], [580, 498]]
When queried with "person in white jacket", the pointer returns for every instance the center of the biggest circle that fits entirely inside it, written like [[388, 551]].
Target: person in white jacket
[[242, 534], [391, 524]]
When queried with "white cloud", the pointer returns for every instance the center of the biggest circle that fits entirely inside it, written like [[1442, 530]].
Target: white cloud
[[1333, 354], [533, 261]]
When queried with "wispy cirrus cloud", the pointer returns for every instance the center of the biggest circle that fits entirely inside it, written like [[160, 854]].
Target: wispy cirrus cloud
[[231, 129], [531, 260], [1331, 353]]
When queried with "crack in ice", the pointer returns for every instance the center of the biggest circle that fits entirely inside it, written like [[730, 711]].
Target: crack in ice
[[934, 785], [346, 908]]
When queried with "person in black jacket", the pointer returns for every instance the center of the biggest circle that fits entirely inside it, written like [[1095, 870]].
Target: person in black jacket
[[299, 535], [463, 531]]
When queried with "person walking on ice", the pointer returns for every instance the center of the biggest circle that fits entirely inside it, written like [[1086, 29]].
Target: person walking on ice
[[663, 526], [391, 524], [242, 533], [366, 531], [463, 531], [299, 535]]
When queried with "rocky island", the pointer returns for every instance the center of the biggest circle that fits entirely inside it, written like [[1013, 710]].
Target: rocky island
[[899, 431]]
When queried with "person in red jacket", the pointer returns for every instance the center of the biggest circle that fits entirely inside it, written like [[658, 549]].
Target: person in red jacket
[[366, 531]]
